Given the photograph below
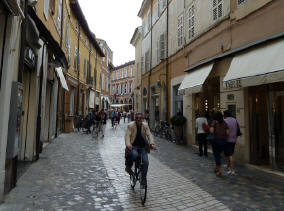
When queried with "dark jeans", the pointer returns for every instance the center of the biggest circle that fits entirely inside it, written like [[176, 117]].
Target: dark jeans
[[218, 146], [133, 155], [202, 141]]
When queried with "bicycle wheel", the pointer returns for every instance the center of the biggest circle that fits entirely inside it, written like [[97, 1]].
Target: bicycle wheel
[[132, 179], [143, 188]]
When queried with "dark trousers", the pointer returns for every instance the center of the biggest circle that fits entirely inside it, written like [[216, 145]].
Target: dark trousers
[[202, 141], [218, 146], [133, 155]]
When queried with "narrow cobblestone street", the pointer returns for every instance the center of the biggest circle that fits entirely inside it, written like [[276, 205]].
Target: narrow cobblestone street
[[76, 172]]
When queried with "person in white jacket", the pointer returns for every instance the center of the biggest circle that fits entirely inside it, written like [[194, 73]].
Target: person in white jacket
[[138, 139]]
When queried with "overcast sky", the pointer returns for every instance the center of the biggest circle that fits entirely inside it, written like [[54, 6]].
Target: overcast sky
[[115, 22]]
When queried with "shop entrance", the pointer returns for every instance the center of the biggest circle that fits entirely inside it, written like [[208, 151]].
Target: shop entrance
[[266, 113]]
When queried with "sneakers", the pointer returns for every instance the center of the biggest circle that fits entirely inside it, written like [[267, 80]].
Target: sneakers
[[231, 172], [128, 170]]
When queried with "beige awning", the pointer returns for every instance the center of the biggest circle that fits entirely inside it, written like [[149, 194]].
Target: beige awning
[[62, 78], [262, 65], [193, 81]]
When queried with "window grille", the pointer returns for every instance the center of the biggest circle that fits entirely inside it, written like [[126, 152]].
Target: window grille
[[180, 30], [217, 9], [162, 46], [191, 22]]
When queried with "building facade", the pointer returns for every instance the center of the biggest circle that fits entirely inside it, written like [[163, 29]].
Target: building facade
[[136, 41], [122, 85], [107, 65], [207, 56], [50, 73]]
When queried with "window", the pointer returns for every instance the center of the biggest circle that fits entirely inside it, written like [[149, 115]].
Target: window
[[180, 30], [130, 88], [113, 76], [69, 51], [121, 73], [45, 8], [117, 75], [217, 9], [67, 34], [75, 59], [79, 61], [191, 22], [103, 82], [85, 67], [147, 61], [126, 73], [161, 6], [59, 15], [107, 84], [149, 21], [162, 46], [72, 100], [131, 72], [142, 65], [241, 1]]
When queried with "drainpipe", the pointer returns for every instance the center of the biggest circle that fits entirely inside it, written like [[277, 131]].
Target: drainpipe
[[23, 44], [149, 76], [58, 86], [78, 74], [167, 63]]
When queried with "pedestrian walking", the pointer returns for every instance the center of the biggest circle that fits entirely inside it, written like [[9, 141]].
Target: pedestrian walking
[[124, 115], [221, 131], [234, 128], [118, 117], [202, 129], [103, 121]]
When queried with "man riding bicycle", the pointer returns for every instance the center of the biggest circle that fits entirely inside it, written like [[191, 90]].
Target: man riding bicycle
[[138, 135]]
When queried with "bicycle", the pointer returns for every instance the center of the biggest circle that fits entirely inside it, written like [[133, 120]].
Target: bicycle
[[96, 129], [137, 176]]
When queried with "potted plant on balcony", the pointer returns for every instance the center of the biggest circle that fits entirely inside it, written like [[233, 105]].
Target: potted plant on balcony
[[178, 122]]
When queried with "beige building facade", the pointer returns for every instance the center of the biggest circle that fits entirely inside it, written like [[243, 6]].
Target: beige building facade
[[206, 68]]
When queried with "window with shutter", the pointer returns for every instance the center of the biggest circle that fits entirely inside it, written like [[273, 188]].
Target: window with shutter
[[217, 9], [79, 61], [158, 51], [113, 76], [180, 30], [85, 66], [121, 73], [67, 34], [147, 61], [69, 51], [45, 8], [149, 21], [142, 65], [59, 12], [75, 59], [191, 22], [162, 46]]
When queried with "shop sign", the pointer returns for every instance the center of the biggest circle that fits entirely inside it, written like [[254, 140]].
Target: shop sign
[[233, 84]]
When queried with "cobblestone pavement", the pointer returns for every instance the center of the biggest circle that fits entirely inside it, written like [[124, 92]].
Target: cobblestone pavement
[[76, 172]]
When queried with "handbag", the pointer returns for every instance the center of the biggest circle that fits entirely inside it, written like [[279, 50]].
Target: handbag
[[239, 133], [205, 127]]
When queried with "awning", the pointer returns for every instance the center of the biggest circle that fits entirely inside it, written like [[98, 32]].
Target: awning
[[119, 105], [14, 7], [193, 81], [61, 77], [262, 65], [92, 99]]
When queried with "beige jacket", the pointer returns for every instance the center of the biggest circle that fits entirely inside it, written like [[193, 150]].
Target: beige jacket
[[132, 131]]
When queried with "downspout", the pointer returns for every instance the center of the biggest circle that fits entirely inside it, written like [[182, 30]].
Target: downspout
[[78, 74], [96, 78], [149, 76], [3, 48], [23, 45], [58, 86], [38, 131], [167, 64]]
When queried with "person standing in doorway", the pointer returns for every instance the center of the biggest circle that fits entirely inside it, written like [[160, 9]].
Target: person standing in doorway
[[234, 128], [202, 129]]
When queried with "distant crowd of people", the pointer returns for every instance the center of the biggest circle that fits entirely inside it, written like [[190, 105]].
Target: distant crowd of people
[[222, 132]]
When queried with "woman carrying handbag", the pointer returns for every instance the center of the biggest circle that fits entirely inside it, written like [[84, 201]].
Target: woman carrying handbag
[[220, 131]]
